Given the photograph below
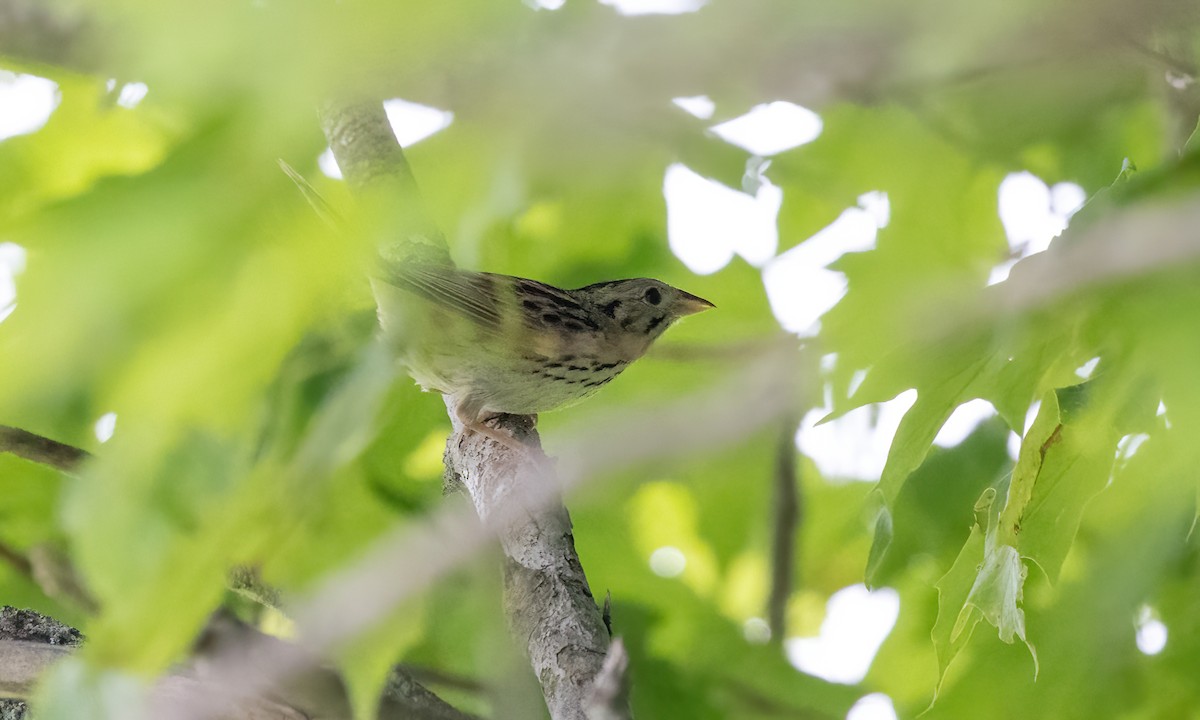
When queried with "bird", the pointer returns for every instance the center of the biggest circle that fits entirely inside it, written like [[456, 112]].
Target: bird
[[499, 344]]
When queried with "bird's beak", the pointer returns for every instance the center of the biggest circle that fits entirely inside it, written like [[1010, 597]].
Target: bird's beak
[[690, 304]]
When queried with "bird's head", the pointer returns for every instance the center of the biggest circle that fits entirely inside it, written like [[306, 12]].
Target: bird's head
[[641, 306]]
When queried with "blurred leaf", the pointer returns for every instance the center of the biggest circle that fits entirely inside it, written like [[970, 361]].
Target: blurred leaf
[[176, 277], [367, 662], [86, 139]]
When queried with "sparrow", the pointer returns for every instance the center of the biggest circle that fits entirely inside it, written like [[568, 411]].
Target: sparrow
[[499, 344]]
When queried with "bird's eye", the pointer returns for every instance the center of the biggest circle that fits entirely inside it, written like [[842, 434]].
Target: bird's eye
[[653, 296]]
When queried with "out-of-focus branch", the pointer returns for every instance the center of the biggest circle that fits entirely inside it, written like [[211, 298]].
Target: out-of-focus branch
[[316, 691], [31, 643], [16, 560], [49, 33], [23, 662], [55, 574], [1092, 255], [43, 450], [787, 516]]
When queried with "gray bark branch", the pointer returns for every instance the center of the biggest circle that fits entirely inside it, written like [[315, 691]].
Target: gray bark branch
[[547, 599], [374, 165]]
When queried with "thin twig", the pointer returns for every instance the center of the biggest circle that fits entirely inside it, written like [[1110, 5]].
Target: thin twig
[[608, 698], [16, 560], [43, 450], [1170, 62], [787, 512], [434, 676]]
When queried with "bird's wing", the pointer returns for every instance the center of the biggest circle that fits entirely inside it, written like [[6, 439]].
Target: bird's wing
[[476, 296], [495, 302]]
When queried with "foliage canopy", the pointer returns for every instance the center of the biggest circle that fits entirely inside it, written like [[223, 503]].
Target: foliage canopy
[[177, 278]]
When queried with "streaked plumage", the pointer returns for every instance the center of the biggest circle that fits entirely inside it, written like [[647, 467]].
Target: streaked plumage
[[502, 344]]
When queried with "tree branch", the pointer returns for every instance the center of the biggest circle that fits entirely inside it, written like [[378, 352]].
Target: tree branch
[[31, 643], [548, 602], [374, 165], [316, 691], [43, 450], [547, 598], [23, 662]]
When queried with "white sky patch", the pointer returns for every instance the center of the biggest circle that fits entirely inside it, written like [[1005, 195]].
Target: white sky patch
[[545, 4], [668, 562], [1128, 445], [1033, 215], [105, 427], [1085, 370], [708, 223], [26, 103], [131, 94], [875, 706], [756, 631], [654, 7], [799, 295], [12, 264], [328, 164], [413, 122], [878, 206], [828, 364], [799, 287], [856, 381], [963, 421], [857, 621], [771, 128], [700, 106], [854, 446], [1162, 413], [1151, 632], [1014, 440], [755, 176]]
